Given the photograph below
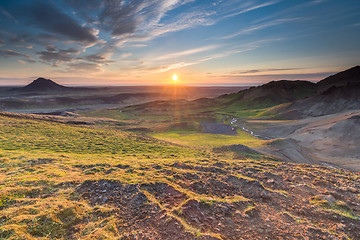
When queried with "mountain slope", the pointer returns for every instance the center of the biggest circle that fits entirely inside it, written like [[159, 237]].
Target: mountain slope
[[340, 92], [340, 79], [270, 94]]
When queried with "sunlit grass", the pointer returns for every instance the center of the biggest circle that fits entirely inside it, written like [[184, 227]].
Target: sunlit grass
[[209, 140], [338, 207], [39, 136], [42, 164]]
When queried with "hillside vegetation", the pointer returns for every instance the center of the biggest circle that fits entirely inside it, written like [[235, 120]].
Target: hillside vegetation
[[64, 181]]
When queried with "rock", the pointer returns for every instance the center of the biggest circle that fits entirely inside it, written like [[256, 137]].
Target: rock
[[138, 200], [252, 212], [328, 198]]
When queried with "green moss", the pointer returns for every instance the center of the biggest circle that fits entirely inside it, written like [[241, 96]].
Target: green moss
[[5, 234], [339, 207]]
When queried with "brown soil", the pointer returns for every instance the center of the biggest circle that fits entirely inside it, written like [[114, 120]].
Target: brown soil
[[217, 128], [259, 200]]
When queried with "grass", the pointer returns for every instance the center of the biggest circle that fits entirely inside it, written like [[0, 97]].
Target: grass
[[32, 135], [41, 162], [118, 114], [206, 140], [338, 207]]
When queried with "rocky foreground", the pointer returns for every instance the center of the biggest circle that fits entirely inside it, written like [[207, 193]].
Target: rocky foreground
[[247, 200]]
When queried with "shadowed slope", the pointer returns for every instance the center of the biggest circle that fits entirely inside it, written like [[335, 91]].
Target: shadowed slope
[[270, 94], [337, 93], [340, 79]]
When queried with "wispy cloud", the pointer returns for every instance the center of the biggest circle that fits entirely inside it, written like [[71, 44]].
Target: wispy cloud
[[294, 9], [185, 53], [83, 66], [261, 26], [201, 60], [100, 58], [11, 53], [49, 18], [149, 31], [55, 57], [251, 8], [126, 55], [261, 78], [221, 54], [7, 14], [252, 71]]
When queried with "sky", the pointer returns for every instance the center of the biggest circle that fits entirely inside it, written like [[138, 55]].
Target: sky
[[203, 42]]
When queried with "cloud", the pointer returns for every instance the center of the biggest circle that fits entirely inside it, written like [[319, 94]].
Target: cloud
[[182, 22], [252, 8], [50, 48], [11, 53], [7, 14], [126, 55], [79, 21], [241, 72], [102, 58], [185, 53], [83, 66], [53, 57], [260, 79], [294, 9], [84, 7], [201, 60], [262, 26], [139, 20], [51, 19], [244, 48]]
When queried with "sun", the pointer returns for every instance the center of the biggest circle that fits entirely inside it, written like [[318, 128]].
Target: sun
[[175, 77]]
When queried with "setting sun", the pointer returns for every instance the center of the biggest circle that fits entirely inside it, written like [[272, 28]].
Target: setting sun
[[175, 77]]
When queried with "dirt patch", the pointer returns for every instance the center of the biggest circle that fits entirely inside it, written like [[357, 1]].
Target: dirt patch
[[164, 193], [238, 148], [217, 128], [251, 200], [40, 161], [136, 211]]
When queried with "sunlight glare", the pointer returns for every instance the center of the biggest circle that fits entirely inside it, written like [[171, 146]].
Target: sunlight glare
[[175, 77]]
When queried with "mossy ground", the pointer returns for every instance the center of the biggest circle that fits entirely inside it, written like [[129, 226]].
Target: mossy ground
[[55, 183]]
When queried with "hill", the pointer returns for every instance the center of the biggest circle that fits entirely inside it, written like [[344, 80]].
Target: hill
[[340, 79], [270, 94], [342, 88], [60, 181], [337, 93], [333, 100], [42, 85]]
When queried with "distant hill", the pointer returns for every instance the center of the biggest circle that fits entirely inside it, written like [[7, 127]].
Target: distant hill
[[42, 84], [289, 99], [333, 94], [333, 100], [270, 94], [340, 79], [336, 93]]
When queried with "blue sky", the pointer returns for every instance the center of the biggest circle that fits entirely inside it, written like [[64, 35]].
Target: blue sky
[[204, 42]]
